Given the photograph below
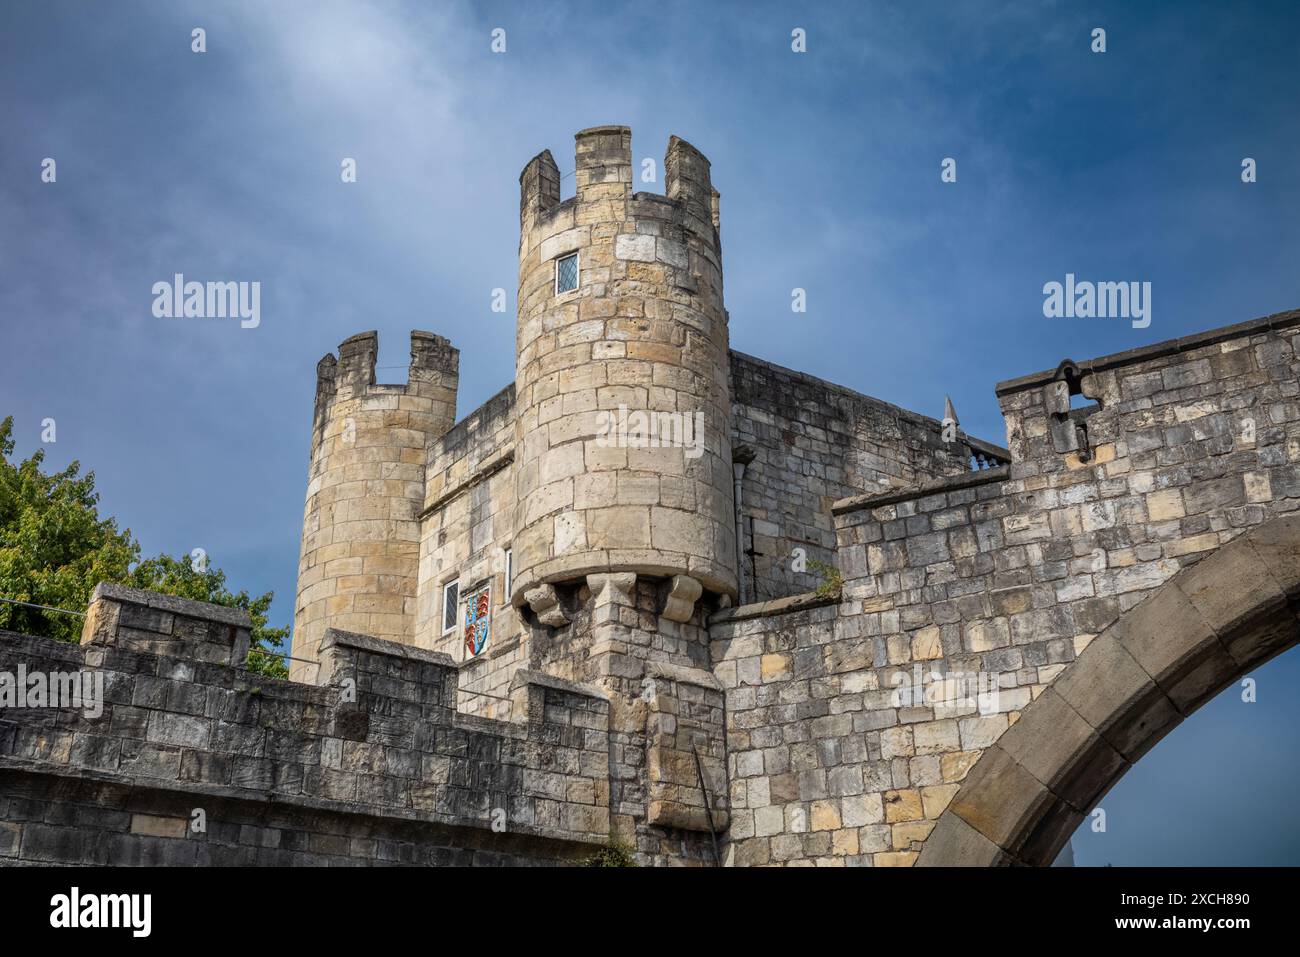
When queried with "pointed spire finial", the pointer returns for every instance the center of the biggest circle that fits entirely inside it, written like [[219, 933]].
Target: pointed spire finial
[[949, 413]]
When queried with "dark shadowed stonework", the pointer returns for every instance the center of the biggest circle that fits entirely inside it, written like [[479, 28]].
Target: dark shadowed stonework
[[375, 767]]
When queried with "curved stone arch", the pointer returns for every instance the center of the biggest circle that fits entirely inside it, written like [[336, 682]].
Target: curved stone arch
[[1134, 683]]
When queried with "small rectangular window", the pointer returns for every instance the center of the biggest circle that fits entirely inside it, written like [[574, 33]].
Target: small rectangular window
[[510, 573], [450, 597], [566, 273]]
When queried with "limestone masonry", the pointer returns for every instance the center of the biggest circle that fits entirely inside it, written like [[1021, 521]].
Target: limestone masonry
[[662, 593]]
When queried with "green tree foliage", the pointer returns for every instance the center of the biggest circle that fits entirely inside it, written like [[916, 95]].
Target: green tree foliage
[[54, 549]]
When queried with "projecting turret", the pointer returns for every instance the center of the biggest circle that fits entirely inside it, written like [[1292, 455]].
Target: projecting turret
[[624, 416]]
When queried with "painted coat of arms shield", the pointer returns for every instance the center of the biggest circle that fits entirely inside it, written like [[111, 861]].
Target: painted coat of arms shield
[[478, 621]]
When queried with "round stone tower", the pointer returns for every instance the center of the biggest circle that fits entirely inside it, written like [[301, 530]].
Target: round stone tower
[[361, 532], [623, 457]]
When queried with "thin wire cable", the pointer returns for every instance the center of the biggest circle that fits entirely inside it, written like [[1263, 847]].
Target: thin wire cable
[[28, 604]]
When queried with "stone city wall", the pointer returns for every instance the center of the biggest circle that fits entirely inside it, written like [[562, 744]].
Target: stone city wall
[[375, 765], [813, 443], [1009, 572]]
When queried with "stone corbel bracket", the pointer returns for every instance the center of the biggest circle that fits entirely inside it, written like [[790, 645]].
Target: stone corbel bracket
[[682, 595], [607, 588], [544, 600]]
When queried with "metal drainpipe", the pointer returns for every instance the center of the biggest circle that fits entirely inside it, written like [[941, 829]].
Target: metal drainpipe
[[741, 456]]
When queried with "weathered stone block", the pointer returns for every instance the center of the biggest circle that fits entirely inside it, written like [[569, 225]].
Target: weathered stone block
[[1059, 748], [1113, 693], [1002, 800], [954, 842], [1169, 638]]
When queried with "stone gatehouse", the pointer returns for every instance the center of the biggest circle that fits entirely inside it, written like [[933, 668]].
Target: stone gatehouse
[[810, 627]]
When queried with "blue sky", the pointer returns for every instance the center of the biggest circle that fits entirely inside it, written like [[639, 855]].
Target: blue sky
[[225, 165]]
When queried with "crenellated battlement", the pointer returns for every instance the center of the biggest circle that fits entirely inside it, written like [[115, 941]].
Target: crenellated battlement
[[588, 522], [687, 180], [602, 162], [539, 190], [621, 311], [433, 360], [603, 172], [356, 366], [373, 765], [358, 568]]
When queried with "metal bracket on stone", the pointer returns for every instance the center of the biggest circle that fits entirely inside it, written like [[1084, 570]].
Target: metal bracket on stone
[[1069, 429], [545, 603], [1056, 399], [680, 604]]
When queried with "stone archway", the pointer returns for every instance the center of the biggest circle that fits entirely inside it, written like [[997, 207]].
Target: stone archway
[[1133, 684]]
